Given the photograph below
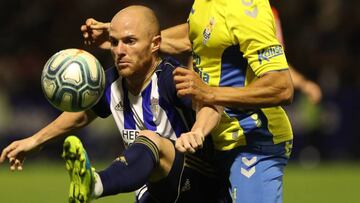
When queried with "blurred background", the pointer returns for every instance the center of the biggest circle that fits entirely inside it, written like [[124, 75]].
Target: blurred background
[[322, 40]]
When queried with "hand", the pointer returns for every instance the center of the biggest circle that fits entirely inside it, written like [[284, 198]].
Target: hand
[[312, 91], [188, 83], [96, 33], [190, 142], [17, 151]]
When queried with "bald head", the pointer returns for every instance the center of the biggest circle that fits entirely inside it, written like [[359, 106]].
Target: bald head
[[140, 16]]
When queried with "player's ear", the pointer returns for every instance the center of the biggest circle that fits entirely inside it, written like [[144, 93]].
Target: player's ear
[[155, 45]]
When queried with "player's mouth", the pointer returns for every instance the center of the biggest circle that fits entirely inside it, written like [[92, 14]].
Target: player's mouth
[[123, 63]]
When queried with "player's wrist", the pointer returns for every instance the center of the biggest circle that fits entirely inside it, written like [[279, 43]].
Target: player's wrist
[[199, 132], [211, 95]]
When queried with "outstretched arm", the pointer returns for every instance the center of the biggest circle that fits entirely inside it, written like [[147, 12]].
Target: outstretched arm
[[62, 125], [309, 88]]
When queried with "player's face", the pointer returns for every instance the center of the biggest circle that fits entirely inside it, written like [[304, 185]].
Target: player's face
[[130, 46]]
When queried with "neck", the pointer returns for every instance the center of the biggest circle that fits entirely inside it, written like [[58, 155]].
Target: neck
[[137, 84]]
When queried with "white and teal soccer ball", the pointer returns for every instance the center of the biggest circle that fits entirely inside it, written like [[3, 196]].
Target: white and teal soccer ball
[[73, 80]]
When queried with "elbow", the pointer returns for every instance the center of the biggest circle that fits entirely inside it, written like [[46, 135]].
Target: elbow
[[286, 91], [286, 96], [187, 48]]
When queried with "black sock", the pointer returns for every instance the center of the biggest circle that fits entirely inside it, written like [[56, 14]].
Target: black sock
[[132, 170]]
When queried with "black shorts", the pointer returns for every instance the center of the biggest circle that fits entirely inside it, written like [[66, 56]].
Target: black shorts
[[186, 183]]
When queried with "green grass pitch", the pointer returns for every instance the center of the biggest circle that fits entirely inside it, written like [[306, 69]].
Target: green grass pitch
[[45, 181]]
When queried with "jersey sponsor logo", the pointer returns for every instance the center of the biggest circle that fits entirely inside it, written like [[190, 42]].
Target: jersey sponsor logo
[[129, 136], [196, 59], [269, 53], [208, 29], [119, 106], [204, 76]]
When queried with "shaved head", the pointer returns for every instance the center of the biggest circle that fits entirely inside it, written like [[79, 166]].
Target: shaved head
[[142, 16], [135, 40]]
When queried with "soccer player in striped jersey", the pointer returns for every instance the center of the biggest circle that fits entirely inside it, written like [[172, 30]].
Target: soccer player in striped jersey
[[141, 95], [236, 53]]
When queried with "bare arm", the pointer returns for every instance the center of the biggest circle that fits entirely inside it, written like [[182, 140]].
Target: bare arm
[[62, 125], [271, 89], [175, 40], [307, 87], [207, 118]]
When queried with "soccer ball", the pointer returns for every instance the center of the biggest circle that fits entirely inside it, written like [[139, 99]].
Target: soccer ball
[[73, 80]]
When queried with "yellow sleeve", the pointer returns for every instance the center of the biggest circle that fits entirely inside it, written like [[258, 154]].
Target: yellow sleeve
[[251, 25]]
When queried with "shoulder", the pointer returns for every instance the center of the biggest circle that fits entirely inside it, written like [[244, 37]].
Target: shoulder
[[166, 67], [111, 75], [169, 63]]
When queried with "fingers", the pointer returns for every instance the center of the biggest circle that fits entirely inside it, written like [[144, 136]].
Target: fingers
[[12, 153], [83, 28], [87, 28], [100, 26], [179, 75], [189, 142], [183, 85], [6, 151], [95, 25], [313, 91], [90, 21], [185, 80], [179, 146], [16, 164], [199, 141], [182, 81], [182, 71]]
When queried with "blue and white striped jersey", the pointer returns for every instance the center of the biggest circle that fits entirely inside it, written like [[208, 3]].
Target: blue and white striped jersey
[[156, 108]]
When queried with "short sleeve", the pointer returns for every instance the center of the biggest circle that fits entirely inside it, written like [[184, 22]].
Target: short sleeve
[[251, 25]]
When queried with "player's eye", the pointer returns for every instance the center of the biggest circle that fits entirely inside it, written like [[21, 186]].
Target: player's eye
[[129, 41], [114, 42]]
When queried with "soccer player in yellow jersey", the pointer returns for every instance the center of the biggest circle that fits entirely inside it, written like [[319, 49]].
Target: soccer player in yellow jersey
[[242, 66]]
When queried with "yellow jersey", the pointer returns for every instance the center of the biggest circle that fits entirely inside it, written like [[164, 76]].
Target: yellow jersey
[[233, 44]]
